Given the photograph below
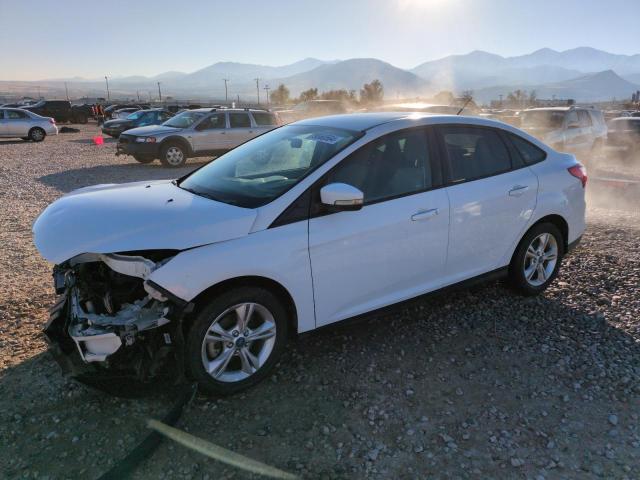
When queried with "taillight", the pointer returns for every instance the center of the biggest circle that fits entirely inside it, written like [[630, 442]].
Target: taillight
[[580, 173]]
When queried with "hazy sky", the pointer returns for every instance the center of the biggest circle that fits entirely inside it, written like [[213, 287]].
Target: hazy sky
[[52, 38]]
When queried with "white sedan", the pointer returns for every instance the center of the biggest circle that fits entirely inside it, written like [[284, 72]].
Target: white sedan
[[19, 123], [309, 224]]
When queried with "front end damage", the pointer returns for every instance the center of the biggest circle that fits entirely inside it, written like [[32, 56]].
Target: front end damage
[[112, 325]]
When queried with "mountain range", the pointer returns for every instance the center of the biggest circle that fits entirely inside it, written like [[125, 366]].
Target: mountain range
[[584, 74]]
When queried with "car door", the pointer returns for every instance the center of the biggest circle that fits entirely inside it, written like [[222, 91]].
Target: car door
[[240, 128], [210, 134], [392, 249], [18, 123], [3, 123], [491, 199]]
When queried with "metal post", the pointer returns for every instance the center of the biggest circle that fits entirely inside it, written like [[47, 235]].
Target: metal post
[[226, 92], [66, 89], [106, 79], [159, 93], [266, 88]]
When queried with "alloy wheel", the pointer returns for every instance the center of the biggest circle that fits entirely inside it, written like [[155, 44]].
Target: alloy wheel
[[238, 342], [540, 259], [174, 156]]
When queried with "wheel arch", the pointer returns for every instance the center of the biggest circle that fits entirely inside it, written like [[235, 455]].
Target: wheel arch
[[176, 139], [252, 281], [558, 221]]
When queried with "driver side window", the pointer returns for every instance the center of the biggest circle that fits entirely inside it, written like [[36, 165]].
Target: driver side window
[[213, 122], [393, 166]]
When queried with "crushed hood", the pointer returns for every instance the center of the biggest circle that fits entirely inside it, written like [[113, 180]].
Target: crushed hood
[[135, 216]]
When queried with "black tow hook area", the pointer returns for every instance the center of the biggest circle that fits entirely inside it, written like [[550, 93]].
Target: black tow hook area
[[124, 468]]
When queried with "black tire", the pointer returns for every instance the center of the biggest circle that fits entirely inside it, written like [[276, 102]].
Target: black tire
[[205, 318], [37, 134], [173, 155], [519, 262], [142, 159]]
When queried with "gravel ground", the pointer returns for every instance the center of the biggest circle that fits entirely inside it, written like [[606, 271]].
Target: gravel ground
[[477, 383]]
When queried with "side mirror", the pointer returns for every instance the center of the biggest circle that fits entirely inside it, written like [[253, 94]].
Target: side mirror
[[341, 196]]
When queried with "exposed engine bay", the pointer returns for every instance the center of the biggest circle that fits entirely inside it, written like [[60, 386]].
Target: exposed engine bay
[[110, 319]]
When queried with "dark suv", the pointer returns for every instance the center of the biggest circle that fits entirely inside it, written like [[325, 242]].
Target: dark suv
[[141, 118], [61, 110]]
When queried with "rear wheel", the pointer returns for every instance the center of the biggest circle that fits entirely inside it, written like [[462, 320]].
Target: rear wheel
[[537, 259], [173, 155], [37, 134], [235, 340]]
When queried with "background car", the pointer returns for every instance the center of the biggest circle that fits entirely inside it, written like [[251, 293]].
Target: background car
[[60, 110], [624, 135], [310, 109], [16, 122], [307, 225], [141, 118], [195, 133], [124, 112], [578, 130]]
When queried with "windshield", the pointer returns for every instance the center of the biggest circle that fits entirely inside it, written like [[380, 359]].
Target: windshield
[[259, 171], [136, 115], [542, 119], [184, 119]]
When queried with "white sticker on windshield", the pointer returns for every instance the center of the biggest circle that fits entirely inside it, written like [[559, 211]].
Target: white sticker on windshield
[[329, 138]]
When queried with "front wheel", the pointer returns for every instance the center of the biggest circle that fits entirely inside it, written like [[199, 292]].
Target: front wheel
[[235, 340], [537, 259], [173, 155]]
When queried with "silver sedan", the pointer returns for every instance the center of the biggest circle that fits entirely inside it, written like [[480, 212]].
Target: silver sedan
[[18, 123]]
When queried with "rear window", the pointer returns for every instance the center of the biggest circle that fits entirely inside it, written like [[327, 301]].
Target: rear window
[[529, 153], [264, 118]]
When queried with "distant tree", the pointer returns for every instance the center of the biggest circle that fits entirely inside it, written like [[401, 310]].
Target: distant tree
[[467, 96], [517, 97], [533, 97], [280, 95], [311, 94], [444, 98], [372, 92], [343, 95]]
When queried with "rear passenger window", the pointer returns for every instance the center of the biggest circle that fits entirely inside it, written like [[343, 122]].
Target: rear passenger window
[[264, 119], [474, 152], [529, 153], [239, 120]]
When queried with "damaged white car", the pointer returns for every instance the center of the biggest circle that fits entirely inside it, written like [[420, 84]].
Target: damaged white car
[[205, 277]]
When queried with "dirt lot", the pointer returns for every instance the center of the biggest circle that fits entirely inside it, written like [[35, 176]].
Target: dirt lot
[[475, 384]]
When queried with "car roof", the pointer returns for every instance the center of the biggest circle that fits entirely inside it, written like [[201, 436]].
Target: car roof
[[366, 121]]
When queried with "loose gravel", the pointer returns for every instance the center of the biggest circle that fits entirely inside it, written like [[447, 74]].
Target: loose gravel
[[477, 383]]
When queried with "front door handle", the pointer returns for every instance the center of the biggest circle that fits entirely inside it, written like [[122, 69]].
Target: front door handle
[[518, 190], [424, 214]]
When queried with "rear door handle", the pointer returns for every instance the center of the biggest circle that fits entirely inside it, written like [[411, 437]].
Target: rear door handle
[[424, 214], [518, 190]]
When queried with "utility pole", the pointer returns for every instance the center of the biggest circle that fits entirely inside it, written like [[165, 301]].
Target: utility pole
[[266, 89], [258, 89], [226, 92], [138, 94], [159, 92], [66, 89], [106, 79]]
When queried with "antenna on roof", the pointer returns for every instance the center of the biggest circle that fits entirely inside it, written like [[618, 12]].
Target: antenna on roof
[[465, 104]]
